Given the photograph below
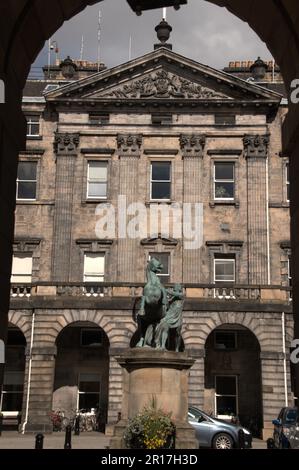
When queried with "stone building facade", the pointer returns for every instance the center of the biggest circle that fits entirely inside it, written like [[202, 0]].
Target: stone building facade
[[167, 133]]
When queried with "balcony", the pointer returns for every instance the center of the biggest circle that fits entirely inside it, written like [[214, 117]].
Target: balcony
[[105, 291]]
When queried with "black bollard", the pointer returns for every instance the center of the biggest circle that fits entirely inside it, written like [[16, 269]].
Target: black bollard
[[39, 441], [77, 426], [241, 439], [68, 437]]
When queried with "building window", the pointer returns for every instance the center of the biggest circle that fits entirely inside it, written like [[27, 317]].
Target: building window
[[162, 119], [161, 181], [91, 337], [225, 120], [290, 271], [164, 260], [12, 393], [97, 180], [89, 391], [224, 270], [27, 181], [224, 181], [226, 397], [99, 119], [94, 267], [225, 340], [33, 126], [21, 269], [288, 186]]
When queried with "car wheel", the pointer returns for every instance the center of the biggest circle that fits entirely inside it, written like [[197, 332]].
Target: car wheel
[[223, 441]]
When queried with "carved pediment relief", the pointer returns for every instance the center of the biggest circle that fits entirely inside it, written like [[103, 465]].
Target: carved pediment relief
[[162, 84]]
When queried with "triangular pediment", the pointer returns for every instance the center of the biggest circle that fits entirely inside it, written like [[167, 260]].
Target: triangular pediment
[[162, 75]]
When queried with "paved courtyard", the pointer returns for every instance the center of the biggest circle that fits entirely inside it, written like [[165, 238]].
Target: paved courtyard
[[13, 440]]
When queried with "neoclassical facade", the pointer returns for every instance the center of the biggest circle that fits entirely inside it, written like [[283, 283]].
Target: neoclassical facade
[[164, 157]]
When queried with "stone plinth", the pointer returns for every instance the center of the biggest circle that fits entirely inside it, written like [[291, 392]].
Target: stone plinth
[[164, 375]]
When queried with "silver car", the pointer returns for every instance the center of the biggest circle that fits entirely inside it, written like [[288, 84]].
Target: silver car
[[216, 434]]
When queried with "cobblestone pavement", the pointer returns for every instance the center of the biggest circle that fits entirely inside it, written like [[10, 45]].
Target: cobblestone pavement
[[13, 440]]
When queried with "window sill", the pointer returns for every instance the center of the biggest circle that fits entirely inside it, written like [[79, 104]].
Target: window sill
[[96, 201], [224, 202], [34, 137], [159, 201]]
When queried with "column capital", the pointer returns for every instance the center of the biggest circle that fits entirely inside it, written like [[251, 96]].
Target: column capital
[[256, 146], [192, 145], [66, 144], [129, 145]]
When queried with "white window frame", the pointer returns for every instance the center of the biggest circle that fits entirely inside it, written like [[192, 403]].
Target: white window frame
[[225, 260], [287, 180], [14, 413], [89, 163], [29, 275], [153, 162], [235, 396], [85, 275], [27, 181], [32, 120], [219, 162]]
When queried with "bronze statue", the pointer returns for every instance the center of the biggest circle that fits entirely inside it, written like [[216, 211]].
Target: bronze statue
[[160, 315]]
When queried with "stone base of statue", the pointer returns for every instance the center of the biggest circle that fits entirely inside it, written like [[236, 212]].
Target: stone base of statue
[[160, 374]]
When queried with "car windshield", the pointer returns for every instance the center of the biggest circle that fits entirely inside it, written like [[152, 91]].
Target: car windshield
[[196, 414], [291, 416]]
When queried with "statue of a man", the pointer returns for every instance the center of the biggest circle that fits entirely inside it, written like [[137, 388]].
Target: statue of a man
[[172, 321]]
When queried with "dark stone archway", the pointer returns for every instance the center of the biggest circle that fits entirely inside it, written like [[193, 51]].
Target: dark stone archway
[[26, 25]]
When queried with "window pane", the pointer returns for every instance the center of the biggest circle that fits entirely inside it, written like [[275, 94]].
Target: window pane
[[224, 270], [224, 171], [164, 260], [226, 406], [90, 387], [224, 190], [94, 267], [26, 190], [98, 171], [161, 171], [226, 386], [97, 190], [91, 337], [161, 190], [12, 401], [27, 171]]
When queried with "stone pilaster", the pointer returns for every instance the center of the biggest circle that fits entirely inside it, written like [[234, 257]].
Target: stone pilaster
[[129, 148], [65, 147], [192, 148], [40, 389], [273, 388], [256, 153], [197, 379], [115, 393]]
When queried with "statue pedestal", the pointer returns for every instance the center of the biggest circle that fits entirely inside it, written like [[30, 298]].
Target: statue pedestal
[[164, 375]]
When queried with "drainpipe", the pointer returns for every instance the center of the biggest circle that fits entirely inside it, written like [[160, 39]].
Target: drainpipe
[[29, 374], [268, 222], [284, 360]]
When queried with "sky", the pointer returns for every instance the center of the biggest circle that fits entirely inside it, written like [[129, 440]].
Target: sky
[[201, 31]]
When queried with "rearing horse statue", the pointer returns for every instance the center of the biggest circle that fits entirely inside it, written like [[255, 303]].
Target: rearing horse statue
[[154, 304]]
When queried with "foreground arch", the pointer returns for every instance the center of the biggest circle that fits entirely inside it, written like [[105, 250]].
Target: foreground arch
[[27, 24]]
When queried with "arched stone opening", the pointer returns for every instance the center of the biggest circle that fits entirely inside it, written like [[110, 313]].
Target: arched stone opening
[[82, 372], [13, 387], [29, 23], [233, 380]]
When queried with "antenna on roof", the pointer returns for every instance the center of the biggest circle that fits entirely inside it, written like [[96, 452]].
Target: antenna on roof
[[82, 49], [99, 39]]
